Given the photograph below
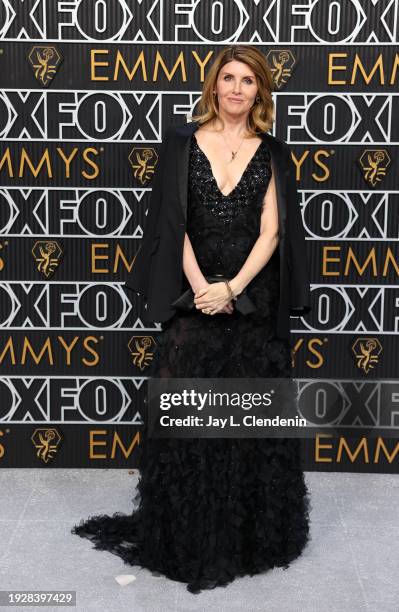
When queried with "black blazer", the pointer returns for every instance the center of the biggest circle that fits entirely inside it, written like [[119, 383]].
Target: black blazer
[[157, 271]]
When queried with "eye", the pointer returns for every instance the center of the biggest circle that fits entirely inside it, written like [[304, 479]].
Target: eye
[[247, 79]]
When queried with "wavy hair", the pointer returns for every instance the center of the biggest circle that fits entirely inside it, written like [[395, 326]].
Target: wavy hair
[[261, 115]]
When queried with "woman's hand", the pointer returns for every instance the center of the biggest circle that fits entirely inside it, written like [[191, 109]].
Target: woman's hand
[[228, 309], [214, 297]]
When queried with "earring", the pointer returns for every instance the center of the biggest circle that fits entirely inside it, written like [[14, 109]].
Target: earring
[[257, 99], [214, 93]]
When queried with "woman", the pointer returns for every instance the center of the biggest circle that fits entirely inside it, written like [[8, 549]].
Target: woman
[[224, 204]]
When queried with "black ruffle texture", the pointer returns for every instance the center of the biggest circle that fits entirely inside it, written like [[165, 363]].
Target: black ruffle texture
[[211, 510]]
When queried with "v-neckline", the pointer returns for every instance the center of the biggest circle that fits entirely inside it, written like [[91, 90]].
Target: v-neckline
[[213, 176]]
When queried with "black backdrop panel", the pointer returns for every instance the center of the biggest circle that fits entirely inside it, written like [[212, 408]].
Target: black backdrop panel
[[87, 90]]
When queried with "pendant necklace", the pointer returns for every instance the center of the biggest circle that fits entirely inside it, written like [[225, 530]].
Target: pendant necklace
[[233, 153]]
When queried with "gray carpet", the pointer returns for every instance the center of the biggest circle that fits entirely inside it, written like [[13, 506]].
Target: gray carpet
[[350, 564]]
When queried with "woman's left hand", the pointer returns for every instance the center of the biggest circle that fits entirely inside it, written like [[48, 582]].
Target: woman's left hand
[[214, 297]]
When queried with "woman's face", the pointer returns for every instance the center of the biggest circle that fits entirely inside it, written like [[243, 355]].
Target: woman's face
[[236, 88]]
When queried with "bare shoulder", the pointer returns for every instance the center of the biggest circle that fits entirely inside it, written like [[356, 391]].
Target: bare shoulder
[[207, 138]]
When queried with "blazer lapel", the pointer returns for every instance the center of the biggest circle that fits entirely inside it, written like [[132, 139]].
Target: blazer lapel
[[184, 133], [280, 171], [182, 149]]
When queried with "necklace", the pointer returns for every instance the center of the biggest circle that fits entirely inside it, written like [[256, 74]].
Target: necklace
[[233, 153]]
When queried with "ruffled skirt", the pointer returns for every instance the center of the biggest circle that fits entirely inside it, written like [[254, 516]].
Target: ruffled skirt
[[210, 510]]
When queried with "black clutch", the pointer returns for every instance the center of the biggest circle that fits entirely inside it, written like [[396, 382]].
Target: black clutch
[[186, 301]]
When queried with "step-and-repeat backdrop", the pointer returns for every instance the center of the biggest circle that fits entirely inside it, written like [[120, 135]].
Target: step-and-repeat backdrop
[[87, 90]]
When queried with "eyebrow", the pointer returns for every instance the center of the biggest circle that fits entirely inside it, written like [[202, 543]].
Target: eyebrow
[[247, 76]]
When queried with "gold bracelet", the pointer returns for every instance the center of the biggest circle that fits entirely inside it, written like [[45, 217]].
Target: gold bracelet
[[232, 296]]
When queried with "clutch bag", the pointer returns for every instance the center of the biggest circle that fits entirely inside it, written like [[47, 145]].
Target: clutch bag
[[186, 301]]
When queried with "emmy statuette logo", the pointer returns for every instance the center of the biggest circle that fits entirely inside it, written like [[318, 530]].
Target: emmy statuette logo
[[281, 63], [139, 348], [45, 62], [367, 352], [374, 164], [143, 161], [47, 254], [46, 442]]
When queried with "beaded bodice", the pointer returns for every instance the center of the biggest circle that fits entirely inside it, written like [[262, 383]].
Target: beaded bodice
[[254, 179], [224, 228]]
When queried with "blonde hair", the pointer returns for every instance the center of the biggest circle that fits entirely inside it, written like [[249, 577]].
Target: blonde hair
[[261, 115]]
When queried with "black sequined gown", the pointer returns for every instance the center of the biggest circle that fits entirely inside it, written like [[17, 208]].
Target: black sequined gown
[[214, 509]]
